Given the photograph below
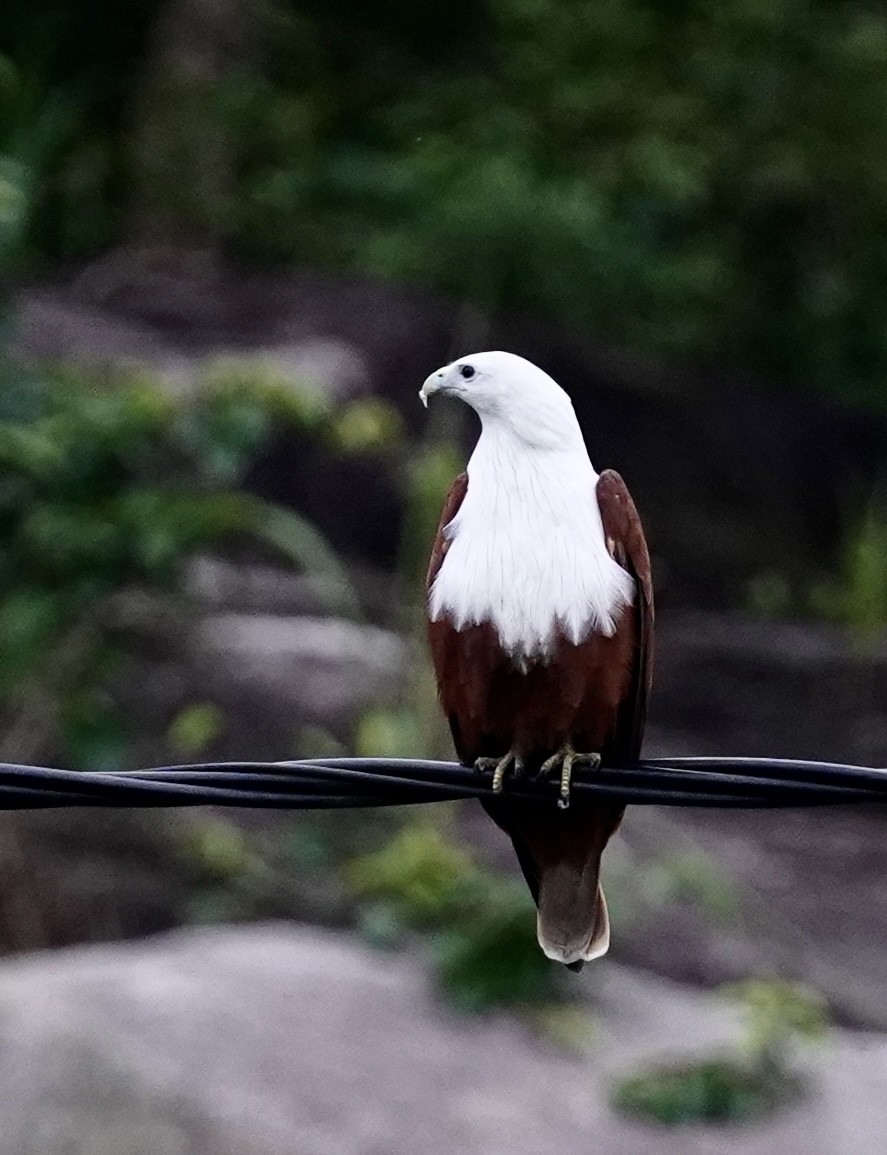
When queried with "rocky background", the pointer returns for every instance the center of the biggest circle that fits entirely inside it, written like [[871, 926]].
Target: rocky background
[[234, 241], [130, 1060]]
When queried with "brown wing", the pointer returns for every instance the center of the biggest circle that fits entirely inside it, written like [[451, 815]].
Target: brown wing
[[627, 545], [450, 651], [454, 499]]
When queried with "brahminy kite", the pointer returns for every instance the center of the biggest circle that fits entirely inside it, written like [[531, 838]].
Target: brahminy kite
[[540, 621]]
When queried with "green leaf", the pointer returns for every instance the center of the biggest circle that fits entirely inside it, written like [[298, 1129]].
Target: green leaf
[[711, 1091], [194, 728]]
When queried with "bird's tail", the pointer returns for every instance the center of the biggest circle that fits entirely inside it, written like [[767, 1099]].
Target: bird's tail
[[572, 923], [561, 857]]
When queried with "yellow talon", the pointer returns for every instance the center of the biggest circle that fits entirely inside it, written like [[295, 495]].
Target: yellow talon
[[567, 758], [566, 775], [500, 767]]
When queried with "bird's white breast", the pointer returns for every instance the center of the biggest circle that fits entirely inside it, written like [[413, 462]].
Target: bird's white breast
[[527, 553]]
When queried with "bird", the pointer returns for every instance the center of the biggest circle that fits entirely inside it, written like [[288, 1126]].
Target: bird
[[539, 614]]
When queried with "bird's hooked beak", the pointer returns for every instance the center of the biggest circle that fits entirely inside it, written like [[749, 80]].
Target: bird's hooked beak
[[433, 384]]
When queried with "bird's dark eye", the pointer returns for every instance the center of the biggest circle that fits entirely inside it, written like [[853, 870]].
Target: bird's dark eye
[[467, 371]]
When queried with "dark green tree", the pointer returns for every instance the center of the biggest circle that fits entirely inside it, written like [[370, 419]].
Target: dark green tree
[[701, 181]]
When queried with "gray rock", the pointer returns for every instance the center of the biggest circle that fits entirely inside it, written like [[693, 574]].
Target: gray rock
[[286, 1041], [219, 584], [54, 327], [770, 688], [50, 328], [325, 668], [336, 367]]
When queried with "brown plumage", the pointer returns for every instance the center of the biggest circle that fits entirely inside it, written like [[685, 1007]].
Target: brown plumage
[[591, 695]]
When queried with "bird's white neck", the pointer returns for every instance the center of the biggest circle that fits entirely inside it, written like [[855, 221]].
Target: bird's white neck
[[527, 550]]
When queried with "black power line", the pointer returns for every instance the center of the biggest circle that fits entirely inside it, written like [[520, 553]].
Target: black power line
[[326, 783]]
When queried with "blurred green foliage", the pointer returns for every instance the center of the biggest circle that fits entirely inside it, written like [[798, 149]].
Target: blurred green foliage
[[857, 597], [423, 875], [480, 926], [853, 596], [778, 1015], [368, 424], [491, 957], [194, 728], [388, 732], [569, 1026], [289, 866], [701, 181], [712, 1091], [109, 487], [779, 1018]]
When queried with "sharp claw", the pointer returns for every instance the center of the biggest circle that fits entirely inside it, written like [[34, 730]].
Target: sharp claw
[[500, 767], [499, 773], [567, 758], [566, 773], [549, 764]]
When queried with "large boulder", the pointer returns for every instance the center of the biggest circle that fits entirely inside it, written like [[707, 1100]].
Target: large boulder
[[731, 684], [271, 674], [285, 1041], [53, 327], [304, 668]]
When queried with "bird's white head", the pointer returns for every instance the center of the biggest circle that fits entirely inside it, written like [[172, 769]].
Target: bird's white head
[[510, 394], [526, 547]]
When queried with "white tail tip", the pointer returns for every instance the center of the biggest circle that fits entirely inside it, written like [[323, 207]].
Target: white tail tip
[[595, 947]]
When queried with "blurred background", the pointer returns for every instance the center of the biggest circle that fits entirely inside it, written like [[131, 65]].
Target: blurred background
[[234, 239]]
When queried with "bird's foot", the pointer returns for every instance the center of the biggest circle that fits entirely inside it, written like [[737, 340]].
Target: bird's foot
[[565, 759], [500, 767]]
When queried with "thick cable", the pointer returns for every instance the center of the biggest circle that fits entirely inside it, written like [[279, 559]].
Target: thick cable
[[329, 783]]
